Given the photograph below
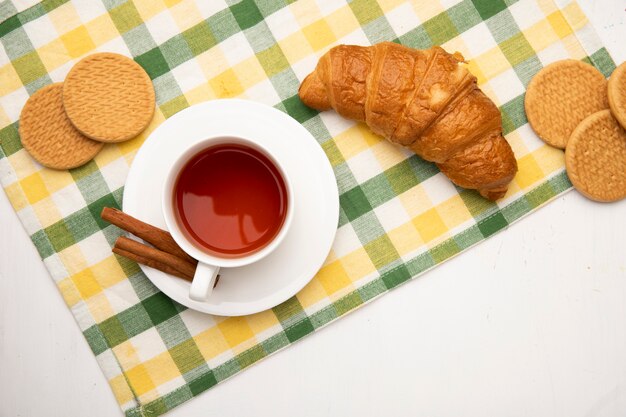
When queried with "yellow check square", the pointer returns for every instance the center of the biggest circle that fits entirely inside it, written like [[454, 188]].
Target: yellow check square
[[305, 12], [262, 321], [99, 307], [540, 35], [16, 196], [185, 14], [69, 292], [108, 272], [559, 24], [357, 264], [34, 188], [312, 293], [101, 29], [161, 369], [454, 212], [235, 330], [226, 84], [517, 144], [356, 139], [211, 343], [405, 238], [491, 63], [549, 159], [140, 380], [415, 201], [388, 154], [4, 118], [54, 54], [342, 21], [107, 155], [170, 3], [9, 80], [126, 355], [199, 94], [295, 47], [575, 15], [319, 34], [64, 17], [429, 225], [473, 67], [333, 277], [73, 260], [149, 8], [86, 283], [249, 73], [78, 42], [427, 10], [46, 211], [529, 171], [457, 44], [57, 179], [121, 390], [212, 62]]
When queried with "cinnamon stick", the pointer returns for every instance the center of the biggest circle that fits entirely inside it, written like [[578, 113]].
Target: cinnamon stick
[[151, 263], [154, 254], [159, 238]]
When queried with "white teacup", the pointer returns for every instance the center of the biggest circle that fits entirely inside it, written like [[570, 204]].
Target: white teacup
[[209, 264]]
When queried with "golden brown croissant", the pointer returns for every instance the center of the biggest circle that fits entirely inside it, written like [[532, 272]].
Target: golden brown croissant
[[422, 99]]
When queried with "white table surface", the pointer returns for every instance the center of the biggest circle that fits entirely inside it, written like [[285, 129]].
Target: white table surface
[[530, 323]]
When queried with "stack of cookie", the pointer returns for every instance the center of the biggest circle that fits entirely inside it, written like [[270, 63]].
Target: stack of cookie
[[571, 106], [105, 98]]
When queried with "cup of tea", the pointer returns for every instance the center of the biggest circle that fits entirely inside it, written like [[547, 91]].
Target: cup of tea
[[227, 202]]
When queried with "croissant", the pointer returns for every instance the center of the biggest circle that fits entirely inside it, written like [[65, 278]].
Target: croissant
[[421, 99]]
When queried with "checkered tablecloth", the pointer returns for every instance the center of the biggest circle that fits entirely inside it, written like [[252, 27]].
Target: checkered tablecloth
[[399, 215]]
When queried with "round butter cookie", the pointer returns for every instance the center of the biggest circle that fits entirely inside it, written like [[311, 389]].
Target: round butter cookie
[[617, 94], [560, 96], [48, 135], [595, 158], [108, 97]]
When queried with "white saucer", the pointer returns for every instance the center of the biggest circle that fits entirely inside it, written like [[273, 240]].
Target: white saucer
[[280, 275]]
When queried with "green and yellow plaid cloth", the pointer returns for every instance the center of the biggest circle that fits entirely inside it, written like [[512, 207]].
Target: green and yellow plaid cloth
[[399, 215]]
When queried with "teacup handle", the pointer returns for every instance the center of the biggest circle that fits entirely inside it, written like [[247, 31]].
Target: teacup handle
[[203, 282]]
